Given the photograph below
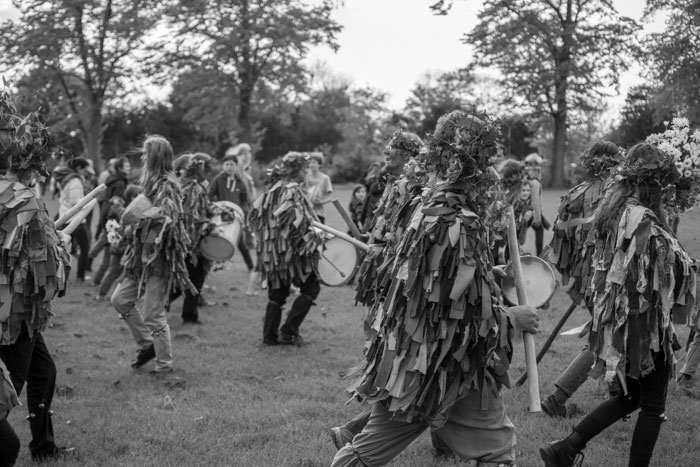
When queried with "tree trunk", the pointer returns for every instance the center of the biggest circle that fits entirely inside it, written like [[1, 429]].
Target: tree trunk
[[244, 125], [93, 136], [559, 159]]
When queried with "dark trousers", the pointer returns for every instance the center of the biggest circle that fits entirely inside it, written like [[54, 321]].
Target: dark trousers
[[9, 444], [245, 252], [308, 289], [113, 272], [197, 275], [81, 237], [647, 393], [28, 360]]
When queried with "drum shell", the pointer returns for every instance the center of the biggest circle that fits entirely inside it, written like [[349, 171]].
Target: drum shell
[[538, 276], [338, 262], [222, 241], [134, 212]]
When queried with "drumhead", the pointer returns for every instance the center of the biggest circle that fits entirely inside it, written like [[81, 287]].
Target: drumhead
[[538, 276], [217, 247], [338, 262], [231, 205]]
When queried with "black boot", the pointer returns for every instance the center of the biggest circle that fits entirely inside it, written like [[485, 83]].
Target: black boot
[[273, 316], [564, 452], [144, 356], [290, 329]]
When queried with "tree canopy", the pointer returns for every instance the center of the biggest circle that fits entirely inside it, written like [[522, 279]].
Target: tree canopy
[[245, 44], [553, 56], [85, 48]]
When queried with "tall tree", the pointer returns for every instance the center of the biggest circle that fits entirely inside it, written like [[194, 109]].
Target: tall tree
[[553, 56], [640, 117], [86, 47], [672, 57], [248, 42]]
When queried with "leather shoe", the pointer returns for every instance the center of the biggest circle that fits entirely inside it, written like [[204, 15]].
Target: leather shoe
[[144, 356], [55, 453]]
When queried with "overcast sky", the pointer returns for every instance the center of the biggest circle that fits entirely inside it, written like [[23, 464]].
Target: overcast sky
[[389, 44]]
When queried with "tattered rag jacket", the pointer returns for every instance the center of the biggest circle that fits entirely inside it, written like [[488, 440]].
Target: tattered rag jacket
[[572, 241], [289, 248], [385, 230], [643, 277], [34, 265], [159, 242], [441, 329]]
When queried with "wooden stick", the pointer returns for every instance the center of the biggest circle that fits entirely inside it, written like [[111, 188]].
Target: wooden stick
[[550, 339], [75, 209], [533, 387], [344, 214], [342, 235], [80, 217]]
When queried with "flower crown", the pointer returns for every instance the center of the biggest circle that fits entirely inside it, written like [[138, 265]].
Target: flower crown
[[683, 147], [25, 142]]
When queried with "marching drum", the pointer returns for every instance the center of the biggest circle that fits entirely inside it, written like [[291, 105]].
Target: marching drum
[[135, 210], [222, 241], [539, 278], [338, 262]]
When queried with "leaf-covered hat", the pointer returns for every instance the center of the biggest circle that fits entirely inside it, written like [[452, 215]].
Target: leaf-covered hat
[[25, 142], [463, 147], [600, 157], [405, 141]]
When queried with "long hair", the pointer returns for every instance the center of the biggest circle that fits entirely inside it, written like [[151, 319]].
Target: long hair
[[158, 161], [645, 168]]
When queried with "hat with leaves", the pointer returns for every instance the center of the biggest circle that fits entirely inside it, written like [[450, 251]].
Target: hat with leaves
[[405, 141], [463, 146], [600, 157], [25, 142], [291, 164]]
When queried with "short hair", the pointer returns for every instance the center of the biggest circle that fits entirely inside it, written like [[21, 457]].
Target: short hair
[[534, 159], [78, 163], [119, 162], [318, 157], [230, 157]]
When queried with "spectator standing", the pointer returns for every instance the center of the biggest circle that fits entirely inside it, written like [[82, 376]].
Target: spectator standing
[[318, 185], [72, 185]]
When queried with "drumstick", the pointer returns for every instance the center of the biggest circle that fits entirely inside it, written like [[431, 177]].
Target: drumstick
[[80, 217], [85, 200], [342, 274], [341, 235], [528, 339], [344, 214]]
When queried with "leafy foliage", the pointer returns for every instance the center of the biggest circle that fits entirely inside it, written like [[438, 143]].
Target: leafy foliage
[[86, 47], [672, 57], [553, 56], [246, 43]]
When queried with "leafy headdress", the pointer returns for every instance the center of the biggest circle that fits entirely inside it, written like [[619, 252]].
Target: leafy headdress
[[288, 167], [405, 141], [25, 142], [600, 157], [462, 151]]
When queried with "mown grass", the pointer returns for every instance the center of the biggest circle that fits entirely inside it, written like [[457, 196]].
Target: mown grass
[[233, 402]]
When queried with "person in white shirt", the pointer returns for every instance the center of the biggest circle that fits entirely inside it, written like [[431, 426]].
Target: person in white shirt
[[72, 185]]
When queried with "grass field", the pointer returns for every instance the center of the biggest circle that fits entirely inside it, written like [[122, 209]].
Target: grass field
[[233, 402]]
